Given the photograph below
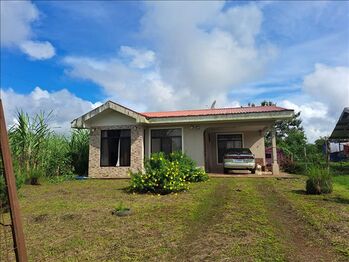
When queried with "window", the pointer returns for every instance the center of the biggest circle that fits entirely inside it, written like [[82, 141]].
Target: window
[[166, 140], [226, 142], [116, 147], [267, 155]]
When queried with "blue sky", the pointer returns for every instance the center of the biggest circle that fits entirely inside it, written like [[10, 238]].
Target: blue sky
[[71, 56]]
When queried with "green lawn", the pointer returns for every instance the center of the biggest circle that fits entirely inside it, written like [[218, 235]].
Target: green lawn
[[224, 219]]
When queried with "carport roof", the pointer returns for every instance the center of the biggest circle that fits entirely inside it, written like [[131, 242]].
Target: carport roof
[[341, 131]]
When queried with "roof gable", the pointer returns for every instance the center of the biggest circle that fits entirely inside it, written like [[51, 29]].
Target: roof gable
[[109, 105]]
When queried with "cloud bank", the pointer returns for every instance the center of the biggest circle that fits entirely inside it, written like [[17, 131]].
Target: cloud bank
[[16, 29], [64, 105], [196, 59]]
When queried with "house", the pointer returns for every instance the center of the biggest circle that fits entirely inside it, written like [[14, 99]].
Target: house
[[282, 158], [121, 138]]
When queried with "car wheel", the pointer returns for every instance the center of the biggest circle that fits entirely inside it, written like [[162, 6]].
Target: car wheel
[[253, 171], [226, 170]]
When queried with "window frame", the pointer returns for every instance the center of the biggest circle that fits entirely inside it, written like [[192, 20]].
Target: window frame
[[164, 128], [242, 143], [106, 138]]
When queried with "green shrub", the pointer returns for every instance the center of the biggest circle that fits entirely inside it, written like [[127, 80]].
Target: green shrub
[[166, 174], [34, 175], [319, 181], [3, 191], [339, 168], [188, 168], [295, 167]]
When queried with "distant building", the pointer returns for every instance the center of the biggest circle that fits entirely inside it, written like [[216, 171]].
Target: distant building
[[282, 158]]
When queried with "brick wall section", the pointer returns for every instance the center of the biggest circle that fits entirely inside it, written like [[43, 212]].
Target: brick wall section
[[137, 151]]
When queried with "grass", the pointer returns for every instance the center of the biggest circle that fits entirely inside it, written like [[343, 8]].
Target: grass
[[219, 220]]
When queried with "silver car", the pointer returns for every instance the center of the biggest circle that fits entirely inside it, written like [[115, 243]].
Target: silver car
[[239, 159]]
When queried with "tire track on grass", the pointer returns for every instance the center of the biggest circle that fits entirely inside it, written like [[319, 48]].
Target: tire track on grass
[[299, 239], [195, 245]]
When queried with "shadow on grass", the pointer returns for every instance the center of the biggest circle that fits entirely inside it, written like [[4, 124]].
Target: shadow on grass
[[299, 192], [338, 199]]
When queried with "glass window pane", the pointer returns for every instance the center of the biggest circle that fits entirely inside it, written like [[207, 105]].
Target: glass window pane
[[155, 145], [125, 151], [104, 133], [166, 145], [226, 142], [111, 150], [158, 133], [174, 132], [104, 152], [166, 140], [221, 150], [166, 132], [176, 144]]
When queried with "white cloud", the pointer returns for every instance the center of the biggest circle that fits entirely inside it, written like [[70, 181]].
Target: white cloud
[[64, 105], [315, 118], [329, 85], [38, 50], [139, 58], [325, 94], [16, 18], [209, 50], [195, 60], [128, 86]]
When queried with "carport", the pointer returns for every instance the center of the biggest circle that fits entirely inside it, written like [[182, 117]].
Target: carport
[[340, 133]]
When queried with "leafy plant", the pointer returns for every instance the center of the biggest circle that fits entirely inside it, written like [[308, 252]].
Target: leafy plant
[[39, 152], [319, 181], [166, 174], [120, 207], [188, 168], [34, 175], [3, 191], [78, 151]]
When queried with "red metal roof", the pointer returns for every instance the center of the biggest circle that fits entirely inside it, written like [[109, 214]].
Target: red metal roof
[[215, 111]]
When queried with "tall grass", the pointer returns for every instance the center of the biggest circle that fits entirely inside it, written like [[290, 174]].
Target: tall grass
[[38, 151], [319, 180]]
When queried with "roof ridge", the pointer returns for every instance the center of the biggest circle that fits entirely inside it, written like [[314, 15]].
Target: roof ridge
[[206, 109]]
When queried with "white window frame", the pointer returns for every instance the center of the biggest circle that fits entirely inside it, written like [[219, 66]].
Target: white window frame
[[242, 141], [157, 128]]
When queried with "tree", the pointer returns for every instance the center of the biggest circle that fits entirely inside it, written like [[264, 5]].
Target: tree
[[285, 127], [290, 136], [267, 103]]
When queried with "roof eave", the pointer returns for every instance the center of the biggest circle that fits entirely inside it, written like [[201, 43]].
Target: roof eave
[[278, 115]]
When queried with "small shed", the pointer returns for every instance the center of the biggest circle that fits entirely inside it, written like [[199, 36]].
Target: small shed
[[282, 158]]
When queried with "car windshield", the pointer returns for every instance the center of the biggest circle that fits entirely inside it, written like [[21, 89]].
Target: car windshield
[[238, 151]]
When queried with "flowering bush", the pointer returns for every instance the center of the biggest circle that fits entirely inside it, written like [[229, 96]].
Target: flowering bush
[[166, 174]]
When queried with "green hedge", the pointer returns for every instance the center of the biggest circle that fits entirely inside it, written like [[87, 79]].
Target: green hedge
[[166, 174]]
